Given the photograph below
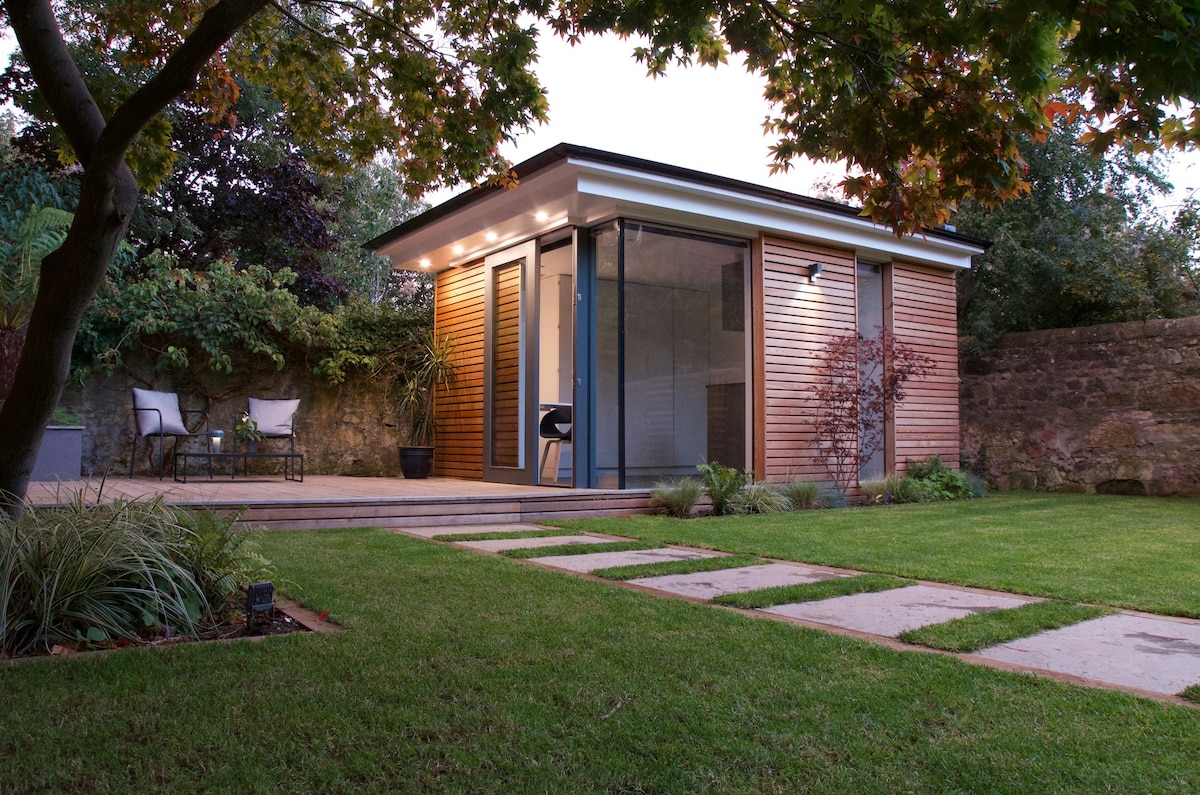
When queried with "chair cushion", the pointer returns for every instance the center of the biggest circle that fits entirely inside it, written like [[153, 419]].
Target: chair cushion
[[274, 417], [167, 404]]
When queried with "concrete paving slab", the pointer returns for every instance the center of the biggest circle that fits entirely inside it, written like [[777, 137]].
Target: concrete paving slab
[[708, 584], [501, 544], [890, 613], [434, 532], [1142, 652], [604, 560]]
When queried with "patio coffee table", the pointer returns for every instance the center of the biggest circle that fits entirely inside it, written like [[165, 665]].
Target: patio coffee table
[[290, 460]]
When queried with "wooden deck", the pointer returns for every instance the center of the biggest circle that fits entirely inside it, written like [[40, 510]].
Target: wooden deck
[[324, 501]]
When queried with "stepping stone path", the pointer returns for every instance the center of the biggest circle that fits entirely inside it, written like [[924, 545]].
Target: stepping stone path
[[607, 560], [890, 613], [711, 584], [503, 544], [1152, 655]]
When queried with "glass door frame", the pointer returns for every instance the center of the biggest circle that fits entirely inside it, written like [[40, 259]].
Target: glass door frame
[[525, 471]]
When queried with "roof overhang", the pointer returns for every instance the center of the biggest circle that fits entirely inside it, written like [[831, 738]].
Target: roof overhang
[[570, 186]]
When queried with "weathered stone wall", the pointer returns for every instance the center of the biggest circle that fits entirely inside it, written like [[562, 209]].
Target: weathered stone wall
[[348, 429], [1110, 409]]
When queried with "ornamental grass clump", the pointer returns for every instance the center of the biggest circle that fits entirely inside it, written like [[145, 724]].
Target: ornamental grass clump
[[92, 573], [677, 498], [802, 494], [761, 498]]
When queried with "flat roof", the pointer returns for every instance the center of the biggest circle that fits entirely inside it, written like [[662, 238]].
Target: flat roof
[[595, 185]]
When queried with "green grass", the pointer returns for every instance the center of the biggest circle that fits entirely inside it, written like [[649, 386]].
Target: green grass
[[1134, 552], [668, 567], [981, 630], [581, 549], [462, 672], [811, 591], [1191, 694]]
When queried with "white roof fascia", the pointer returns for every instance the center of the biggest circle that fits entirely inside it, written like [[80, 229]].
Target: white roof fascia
[[749, 215]]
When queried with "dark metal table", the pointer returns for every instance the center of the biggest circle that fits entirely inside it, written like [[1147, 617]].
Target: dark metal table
[[290, 460]]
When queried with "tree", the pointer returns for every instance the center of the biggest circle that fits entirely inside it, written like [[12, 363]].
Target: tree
[[928, 100], [860, 380], [1084, 246]]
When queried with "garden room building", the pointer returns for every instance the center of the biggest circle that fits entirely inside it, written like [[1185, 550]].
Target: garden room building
[[672, 318]]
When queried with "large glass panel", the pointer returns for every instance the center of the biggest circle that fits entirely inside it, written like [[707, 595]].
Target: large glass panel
[[870, 324], [606, 245], [671, 354], [506, 366]]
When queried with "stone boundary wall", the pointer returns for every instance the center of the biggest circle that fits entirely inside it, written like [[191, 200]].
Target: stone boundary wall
[[347, 429], [1107, 409]]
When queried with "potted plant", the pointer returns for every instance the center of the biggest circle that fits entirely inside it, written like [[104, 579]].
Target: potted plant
[[246, 433], [61, 455], [431, 368]]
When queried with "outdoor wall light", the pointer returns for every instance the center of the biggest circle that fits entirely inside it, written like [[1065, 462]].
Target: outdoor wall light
[[814, 271]]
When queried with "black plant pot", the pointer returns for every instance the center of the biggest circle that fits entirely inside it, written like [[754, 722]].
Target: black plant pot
[[416, 462]]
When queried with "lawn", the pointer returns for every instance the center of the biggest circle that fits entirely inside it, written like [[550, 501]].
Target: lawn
[[463, 672], [1134, 552]]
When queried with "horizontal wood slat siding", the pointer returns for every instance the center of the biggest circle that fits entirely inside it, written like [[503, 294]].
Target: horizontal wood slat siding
[[924, 318], [800, 317], [459, 411]]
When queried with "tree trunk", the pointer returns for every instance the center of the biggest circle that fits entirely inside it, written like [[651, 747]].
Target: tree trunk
[[108, 195], [70, 277], [11, 343]]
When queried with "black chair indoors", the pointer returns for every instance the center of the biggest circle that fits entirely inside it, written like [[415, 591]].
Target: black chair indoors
[[552, 429]]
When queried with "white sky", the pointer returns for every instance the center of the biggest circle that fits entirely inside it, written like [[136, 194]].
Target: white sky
[[701, 118]]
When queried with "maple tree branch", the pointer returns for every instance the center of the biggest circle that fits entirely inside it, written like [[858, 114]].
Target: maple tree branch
[[178, 74], [56, 74]]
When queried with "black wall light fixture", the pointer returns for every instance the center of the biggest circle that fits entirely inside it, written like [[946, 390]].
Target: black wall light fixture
[[814, 271]]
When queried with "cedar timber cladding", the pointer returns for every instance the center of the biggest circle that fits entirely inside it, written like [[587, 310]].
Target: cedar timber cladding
[[798, 318], [458, 411], [925, 318]]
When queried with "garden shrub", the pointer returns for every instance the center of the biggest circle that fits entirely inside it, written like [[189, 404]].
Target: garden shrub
[[677, 497], [760, 498], [802, 494], [722, 484], [92, 573], [220, 558], [95, 573], [937, 483]]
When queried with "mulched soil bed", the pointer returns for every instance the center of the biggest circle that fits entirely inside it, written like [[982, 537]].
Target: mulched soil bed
[[287, 618]]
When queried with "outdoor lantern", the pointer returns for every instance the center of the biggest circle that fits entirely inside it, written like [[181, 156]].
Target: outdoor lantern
[[214, 441], [814, 271]]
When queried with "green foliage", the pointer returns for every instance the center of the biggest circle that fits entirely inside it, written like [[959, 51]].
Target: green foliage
[[94, 572], [107, 572], [761, 498], [935, 483], [722, 484], [802, 494], [1082, 247], [430, 369], [188, 320], [220, 558], [676, 497], [242, 321]]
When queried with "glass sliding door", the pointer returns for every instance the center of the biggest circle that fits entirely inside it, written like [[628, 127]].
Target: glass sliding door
[[671, 353]]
